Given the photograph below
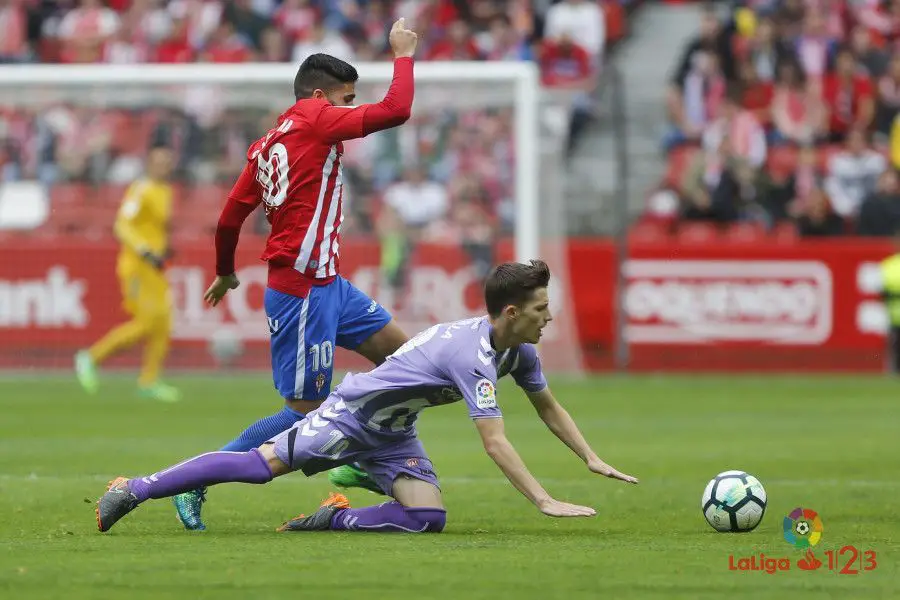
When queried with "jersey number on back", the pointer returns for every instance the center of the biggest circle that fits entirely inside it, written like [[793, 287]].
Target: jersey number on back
[[417, 341], [272, 170], [272, 175]]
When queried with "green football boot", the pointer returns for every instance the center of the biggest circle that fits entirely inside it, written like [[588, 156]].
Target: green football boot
[[350, 476], [188, 506], [160, 392], [86, 372]]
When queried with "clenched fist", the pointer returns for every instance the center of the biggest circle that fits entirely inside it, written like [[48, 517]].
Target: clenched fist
[[403, 40]]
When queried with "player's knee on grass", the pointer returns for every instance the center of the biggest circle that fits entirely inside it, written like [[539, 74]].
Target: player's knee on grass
[[416, 494], [428, 520]]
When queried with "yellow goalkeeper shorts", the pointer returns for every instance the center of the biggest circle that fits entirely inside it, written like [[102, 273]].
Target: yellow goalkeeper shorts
[[145, 292]]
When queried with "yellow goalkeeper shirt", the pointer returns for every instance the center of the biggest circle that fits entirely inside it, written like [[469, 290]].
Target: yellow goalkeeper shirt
[[143, 220]]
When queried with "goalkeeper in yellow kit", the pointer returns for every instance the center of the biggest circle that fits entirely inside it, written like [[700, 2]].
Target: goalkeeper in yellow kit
[[142, 228]]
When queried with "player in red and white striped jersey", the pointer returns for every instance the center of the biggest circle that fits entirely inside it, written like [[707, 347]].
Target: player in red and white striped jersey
[[295, 172]]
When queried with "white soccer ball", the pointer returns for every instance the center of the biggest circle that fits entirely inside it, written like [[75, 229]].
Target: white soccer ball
[[226, 346], [733, 501]]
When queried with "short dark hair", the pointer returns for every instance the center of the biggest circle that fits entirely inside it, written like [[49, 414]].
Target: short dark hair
[[513, 283], [322, 72]]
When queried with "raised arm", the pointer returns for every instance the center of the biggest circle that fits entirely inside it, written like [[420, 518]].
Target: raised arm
[[501, 451], [338, 123], [563, 426]]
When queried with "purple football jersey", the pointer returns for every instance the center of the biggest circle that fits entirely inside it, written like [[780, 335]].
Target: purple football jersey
[[443, 364]]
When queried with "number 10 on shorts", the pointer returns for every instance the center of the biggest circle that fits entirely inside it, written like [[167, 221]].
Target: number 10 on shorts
[[321, 356]]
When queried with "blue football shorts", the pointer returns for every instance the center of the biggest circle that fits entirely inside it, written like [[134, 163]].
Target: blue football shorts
[[305, 331]]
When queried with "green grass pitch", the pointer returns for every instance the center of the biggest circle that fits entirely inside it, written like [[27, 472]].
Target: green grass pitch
[[826, 443]]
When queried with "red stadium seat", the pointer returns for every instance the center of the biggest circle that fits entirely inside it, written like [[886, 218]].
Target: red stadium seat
[[90, 221], [785, 233], [42, 233], [188, 233], [109, 195], [697, 233], [64, 216], [98, 222], [71, 194], [745, 233], [179, 193], [210, 196], [189, 216], [649, 231], [10, 235]]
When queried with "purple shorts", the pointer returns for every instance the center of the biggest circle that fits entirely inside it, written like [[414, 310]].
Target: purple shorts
[[331, 436]]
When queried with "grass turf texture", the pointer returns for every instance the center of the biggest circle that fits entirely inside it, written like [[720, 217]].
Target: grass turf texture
[[829, 444]]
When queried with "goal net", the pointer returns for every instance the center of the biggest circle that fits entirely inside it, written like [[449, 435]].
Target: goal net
[[471, 180]]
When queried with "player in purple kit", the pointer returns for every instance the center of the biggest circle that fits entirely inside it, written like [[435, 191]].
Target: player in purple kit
[[370, 419]]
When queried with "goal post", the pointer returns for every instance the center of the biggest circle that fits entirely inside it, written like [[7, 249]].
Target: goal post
[[532, 213]]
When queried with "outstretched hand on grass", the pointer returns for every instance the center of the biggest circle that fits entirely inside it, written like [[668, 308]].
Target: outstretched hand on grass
[[601, 468], [555, 508]]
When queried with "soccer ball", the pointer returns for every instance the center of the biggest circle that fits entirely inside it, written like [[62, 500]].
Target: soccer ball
[[226, 346], [733, 501]]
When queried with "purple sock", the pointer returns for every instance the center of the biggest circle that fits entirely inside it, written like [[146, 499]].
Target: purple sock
[[207, 469], [390, 517]]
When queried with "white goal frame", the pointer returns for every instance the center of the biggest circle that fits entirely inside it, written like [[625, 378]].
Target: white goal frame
[[521, 76]]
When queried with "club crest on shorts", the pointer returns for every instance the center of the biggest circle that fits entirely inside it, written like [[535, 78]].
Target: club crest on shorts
[[320, 382], [412, 463], [485, 394]]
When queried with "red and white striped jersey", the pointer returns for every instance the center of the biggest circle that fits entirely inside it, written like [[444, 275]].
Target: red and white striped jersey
[[295, 171], [300, 177]]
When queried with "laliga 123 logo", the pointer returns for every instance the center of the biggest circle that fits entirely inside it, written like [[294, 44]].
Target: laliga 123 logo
[[803, 529]]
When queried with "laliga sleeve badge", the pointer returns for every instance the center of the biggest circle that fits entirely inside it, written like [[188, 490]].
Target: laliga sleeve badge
[[485, 394]]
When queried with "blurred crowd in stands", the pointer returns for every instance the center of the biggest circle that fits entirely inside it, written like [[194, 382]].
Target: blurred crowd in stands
[[228, 31], [446, 175], [784, 118]]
